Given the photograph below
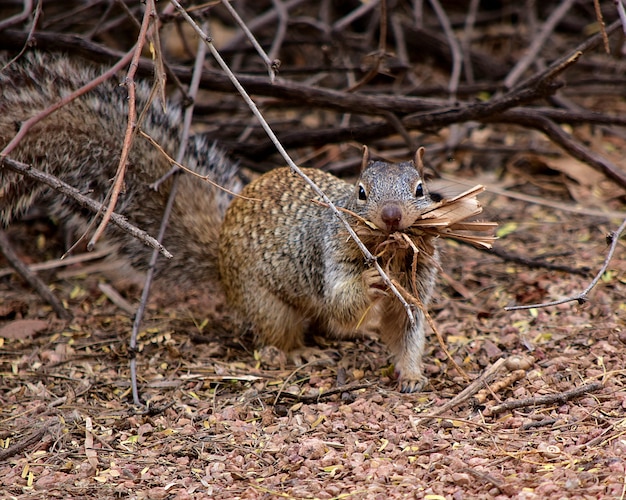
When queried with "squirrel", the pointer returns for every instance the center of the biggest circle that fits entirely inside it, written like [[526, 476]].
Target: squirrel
[[285, 263]]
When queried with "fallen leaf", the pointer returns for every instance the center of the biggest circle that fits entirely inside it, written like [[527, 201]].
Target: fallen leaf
[[23, 328]]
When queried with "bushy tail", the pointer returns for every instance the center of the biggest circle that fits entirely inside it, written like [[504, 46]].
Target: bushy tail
[[81, 144]]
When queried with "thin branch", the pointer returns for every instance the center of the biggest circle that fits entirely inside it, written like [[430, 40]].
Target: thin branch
[[281, 31], [380, 53], [528, 118], [600, 18], [269, 18], [548, 399], [344, 22], [28, 441], [591, 43], [149, 14], [466, 42], [84, 201], [457, 56], [187, 118], [622, 13], [272, 65], [57, 263], [18, 18], [31, 278], [581, 298], [538, 42]]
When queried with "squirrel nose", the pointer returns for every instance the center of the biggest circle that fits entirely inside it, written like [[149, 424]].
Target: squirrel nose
[[391, 215]]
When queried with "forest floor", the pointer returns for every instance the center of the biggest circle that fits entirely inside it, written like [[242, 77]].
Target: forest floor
[[223, 423], [544, 412]]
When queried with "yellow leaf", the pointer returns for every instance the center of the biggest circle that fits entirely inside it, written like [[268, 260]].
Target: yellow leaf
[[506, 229], [384, 444], [318, 421]]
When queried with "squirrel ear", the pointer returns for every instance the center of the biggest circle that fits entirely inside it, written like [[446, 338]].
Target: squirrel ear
[[417, 161], [366, 157]]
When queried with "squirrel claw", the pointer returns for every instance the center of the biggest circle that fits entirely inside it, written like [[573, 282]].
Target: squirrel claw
[[413, 384]]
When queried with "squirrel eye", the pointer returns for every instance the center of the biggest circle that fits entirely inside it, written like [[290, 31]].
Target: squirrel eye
[[419, 190], [362, 195]]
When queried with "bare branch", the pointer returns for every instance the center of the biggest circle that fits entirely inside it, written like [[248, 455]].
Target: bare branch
[[149, 15], [84, 201], [31, 278], [581, 298]]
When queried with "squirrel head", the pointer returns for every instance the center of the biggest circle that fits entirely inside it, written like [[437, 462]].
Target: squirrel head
[[391, 195]]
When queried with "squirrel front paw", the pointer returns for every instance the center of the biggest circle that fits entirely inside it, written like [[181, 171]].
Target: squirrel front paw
[[374, 284], [412, 384], [410, 379]]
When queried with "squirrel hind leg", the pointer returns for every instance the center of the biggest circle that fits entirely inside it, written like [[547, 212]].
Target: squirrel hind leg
[[406, 343], [280, 325]]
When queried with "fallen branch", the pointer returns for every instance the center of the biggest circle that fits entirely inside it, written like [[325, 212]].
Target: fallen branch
[[25, 443], [560, 397], [515, 363], [31, 278]]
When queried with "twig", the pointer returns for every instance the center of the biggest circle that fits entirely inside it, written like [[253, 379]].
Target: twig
[[622, 13], [538, 42], [548, 399], [457, 64], [367, 254], [600, 18], [591, 43], [177, 166], [56, 263], [279, 37], [581, 298], [18, 18], [269, 18], [344, 22], [193, 90], [501, 253], [468, 29], [84, 201], [380, 54], [114, 296], [528, 118], [322, 396], [272, 65], [20, 446], [31, 278], [457, 56], [483, 380], [129, 82]]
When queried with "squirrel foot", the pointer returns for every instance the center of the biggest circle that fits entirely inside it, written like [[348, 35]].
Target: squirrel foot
[[374, 283], [416, 384], [410, 375]]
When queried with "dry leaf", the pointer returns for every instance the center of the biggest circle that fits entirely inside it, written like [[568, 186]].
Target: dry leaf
[[23, 328], [92, 457]]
